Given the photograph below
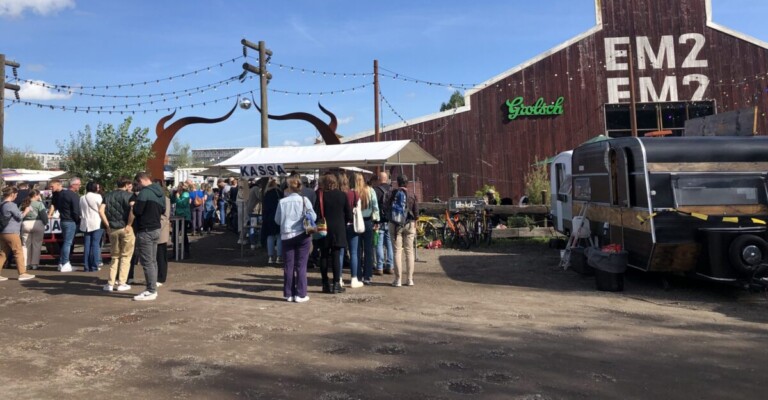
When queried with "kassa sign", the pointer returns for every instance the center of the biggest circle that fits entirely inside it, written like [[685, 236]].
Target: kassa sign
[[260, 170]]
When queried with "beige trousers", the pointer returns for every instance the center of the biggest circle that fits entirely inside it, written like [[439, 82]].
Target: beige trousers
[[403, 238], [11, 243], [122, 250], [32, 239]]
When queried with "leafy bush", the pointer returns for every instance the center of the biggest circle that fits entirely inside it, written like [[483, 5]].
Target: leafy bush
[[536, 181]]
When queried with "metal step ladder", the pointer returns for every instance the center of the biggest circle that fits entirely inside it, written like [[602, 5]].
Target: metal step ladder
[[573, 240]]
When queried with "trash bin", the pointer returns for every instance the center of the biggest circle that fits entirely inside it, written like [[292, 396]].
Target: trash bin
[[609, 268], [579, 261]]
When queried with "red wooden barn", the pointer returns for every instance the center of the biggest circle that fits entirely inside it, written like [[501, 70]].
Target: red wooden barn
[[684, 66]]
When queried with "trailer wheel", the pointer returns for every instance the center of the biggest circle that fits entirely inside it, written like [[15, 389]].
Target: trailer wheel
[[747, 252]]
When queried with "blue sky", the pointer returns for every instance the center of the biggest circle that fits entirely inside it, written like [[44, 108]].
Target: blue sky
[[96, 43]]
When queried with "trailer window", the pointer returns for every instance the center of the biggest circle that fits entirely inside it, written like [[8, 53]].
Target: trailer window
[[582, 190], [719, 190]]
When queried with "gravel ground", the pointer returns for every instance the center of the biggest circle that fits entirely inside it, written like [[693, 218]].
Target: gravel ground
[[500, 323]]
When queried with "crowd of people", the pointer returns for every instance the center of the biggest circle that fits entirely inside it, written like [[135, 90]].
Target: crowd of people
[[339, 220]]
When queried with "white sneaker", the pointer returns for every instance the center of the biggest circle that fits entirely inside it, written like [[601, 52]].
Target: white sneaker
[[278, 260], [410, 282], [341, 282], [66, 268], [270, 260], [289, 299], [302, 299], [240, 241], [108, 288], [159, 284], [253, 247], [355, 283], [396, 283], [3, 279], [145, 296], [123, 288], [26, 277]]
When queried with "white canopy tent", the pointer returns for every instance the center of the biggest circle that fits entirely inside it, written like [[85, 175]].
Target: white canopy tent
[[396, 152], [30, 175]]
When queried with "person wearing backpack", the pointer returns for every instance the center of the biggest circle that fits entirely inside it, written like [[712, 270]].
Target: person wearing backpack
[[402, 230], [10, 233], [384, 250]]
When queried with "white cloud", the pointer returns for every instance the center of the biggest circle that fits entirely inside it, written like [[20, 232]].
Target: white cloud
[[291, 143], [15, 8], [344, 121], [35, 91]]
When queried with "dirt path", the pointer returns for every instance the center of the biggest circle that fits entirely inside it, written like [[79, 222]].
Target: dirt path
[[501, 324]]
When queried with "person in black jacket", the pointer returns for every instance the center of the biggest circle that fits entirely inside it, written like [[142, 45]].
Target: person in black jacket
[[332, 205], [149, 206], [384, 251], [67, 203]]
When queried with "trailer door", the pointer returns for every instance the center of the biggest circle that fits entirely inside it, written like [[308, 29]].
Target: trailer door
[[619, 193]]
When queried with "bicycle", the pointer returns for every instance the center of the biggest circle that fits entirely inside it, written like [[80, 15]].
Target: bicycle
[[455, 233], [480, 228], [426, 231]]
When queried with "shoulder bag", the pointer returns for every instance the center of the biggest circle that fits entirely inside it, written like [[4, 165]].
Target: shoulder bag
[[322, 226]]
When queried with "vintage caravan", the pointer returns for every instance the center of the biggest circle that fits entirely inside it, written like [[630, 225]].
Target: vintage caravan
[[694, 205]]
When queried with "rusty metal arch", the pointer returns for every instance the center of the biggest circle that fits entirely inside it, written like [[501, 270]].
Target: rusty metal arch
[[165, 135]]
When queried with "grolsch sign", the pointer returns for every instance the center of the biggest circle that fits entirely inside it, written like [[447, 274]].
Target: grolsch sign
[[517, 108], [260, 170]]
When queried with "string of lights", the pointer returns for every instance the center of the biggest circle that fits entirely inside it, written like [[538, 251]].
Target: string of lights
[[147, 82], [405, 78], [72, 91], [114, 110], [331, 92], [412, 128], [319, 72]]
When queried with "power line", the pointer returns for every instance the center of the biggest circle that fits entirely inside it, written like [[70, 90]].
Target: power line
[[331, 92]]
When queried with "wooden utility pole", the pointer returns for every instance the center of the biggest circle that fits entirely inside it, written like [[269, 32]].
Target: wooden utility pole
[[376, 128], [4, 85], [264, 77], [632, 102]]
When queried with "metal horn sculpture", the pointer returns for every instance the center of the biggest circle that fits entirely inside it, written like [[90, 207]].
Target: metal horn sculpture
[[327, 131], [155, 166]]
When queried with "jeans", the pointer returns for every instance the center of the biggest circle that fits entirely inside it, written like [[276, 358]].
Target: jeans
[[353, 243], [92, 252], [252, 234], [162, 262], [384, 248], [273, 240], [367, 237], [146, 247], [197, 219], [68, 230], [223, 211], [295, 253]]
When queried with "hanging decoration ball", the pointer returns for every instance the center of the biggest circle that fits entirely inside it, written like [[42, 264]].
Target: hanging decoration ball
[[245, 103]]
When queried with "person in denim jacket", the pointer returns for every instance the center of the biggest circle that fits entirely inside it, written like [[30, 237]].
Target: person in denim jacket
[[289, 216]]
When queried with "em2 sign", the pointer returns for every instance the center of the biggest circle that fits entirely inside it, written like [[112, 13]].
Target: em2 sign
[[260, 170], [645, 54]]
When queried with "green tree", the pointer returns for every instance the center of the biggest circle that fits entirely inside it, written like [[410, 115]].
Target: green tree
[[456, 101], [15, 158], [108, 154], [182, 154]]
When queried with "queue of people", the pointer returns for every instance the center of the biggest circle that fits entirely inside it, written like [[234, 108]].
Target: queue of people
[[368, 225]]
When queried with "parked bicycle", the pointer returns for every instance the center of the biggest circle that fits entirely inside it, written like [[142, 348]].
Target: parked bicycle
[[426, 229], [480, 228], [455, 233]]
